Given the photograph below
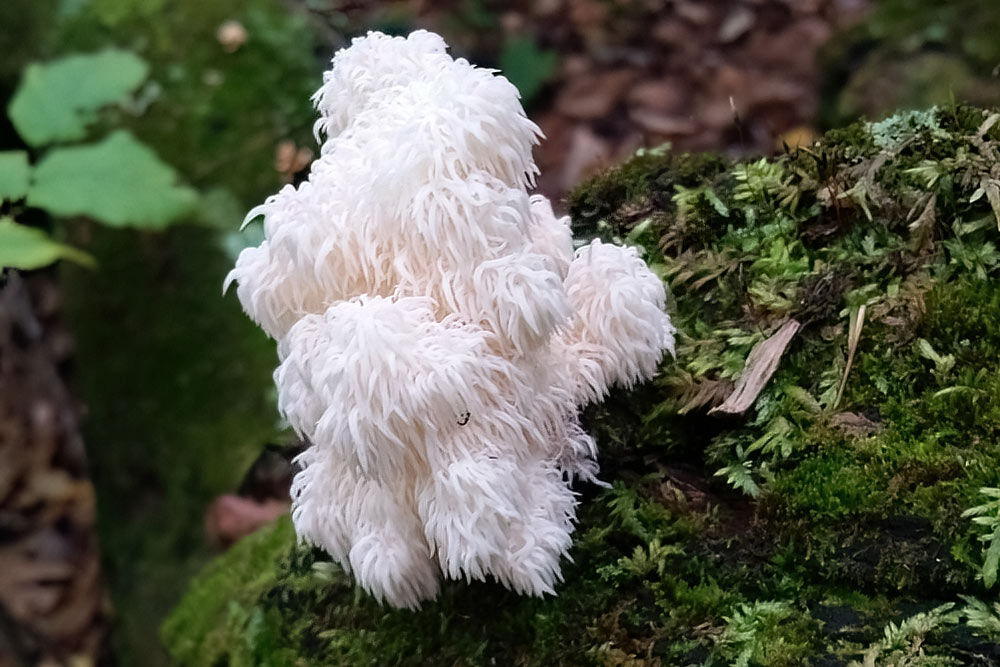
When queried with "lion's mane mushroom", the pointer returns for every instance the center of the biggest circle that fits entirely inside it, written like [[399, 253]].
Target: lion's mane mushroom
[[436, 330]]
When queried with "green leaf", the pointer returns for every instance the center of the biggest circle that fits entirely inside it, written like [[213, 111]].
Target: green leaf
[[739, 476], [57, 101], [14, 175], [638, 231], [26, 248], [990, 565], [717, 204], [119, 181], [114, 12], [527, 66]]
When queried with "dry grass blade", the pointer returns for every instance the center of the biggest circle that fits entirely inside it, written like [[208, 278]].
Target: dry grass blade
[[988, 124], [922, 229], [992, 188], [854, 327]]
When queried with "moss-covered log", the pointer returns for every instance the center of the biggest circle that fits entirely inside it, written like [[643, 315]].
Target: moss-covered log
[[826, 524]]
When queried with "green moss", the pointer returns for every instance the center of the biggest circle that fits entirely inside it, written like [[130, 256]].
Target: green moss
[[830, 487], [768, 633], [244, 572], [610, 203], [789, 535]]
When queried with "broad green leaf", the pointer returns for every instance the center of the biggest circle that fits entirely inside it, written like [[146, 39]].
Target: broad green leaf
[[26, 248], [527, 66], [114, 12], [56, 101], [14, 174], [992, 562], [119, 181]]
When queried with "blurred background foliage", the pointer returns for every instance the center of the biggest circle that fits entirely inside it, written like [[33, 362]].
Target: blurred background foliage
[[910, 54], [174, 379]]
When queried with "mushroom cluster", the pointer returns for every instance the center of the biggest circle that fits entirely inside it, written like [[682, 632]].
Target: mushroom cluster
[[436, 330]]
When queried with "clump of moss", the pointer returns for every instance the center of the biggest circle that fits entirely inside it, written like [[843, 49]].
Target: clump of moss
[[245, 572], [790, 533]]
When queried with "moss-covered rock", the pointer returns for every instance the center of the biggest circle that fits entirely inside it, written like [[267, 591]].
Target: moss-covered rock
[[827, 524]]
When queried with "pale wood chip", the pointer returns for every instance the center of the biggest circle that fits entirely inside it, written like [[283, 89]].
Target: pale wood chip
[[761, 364]]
